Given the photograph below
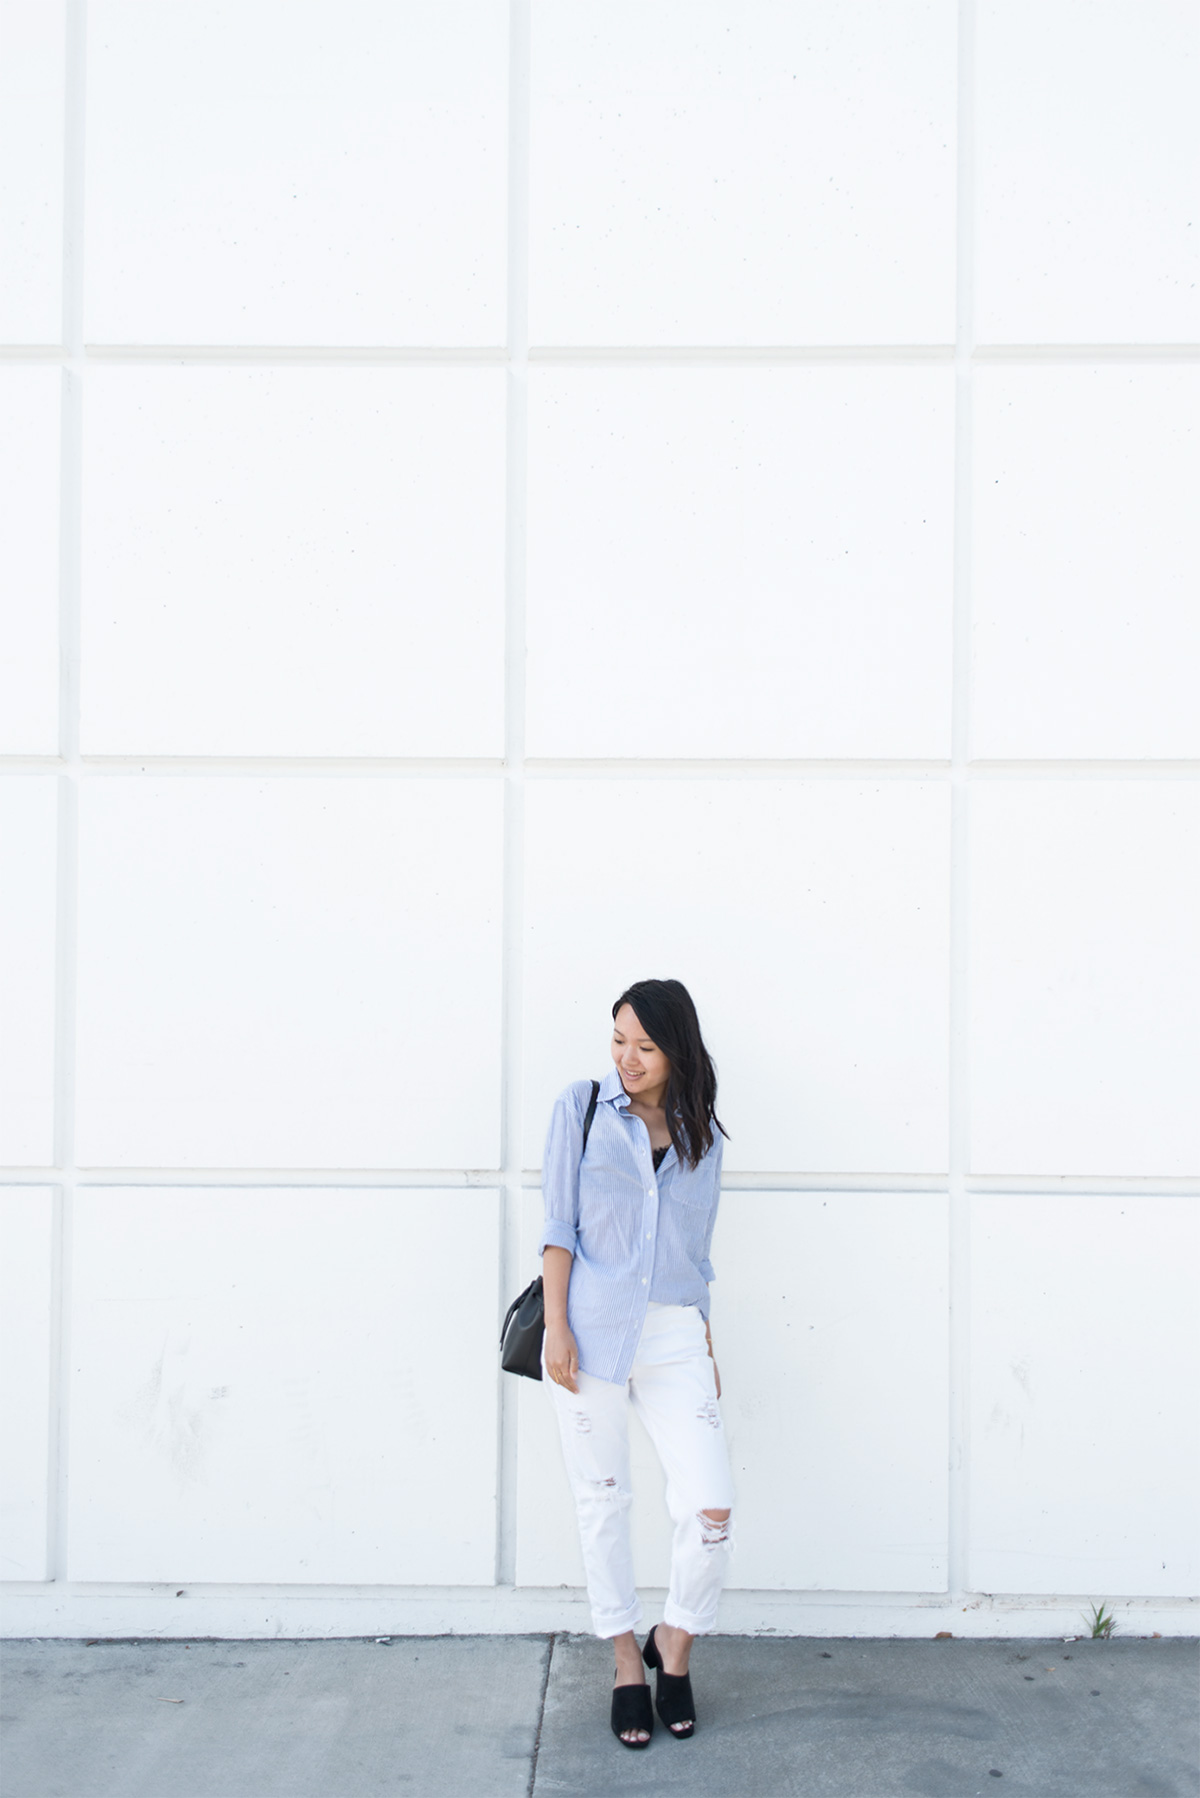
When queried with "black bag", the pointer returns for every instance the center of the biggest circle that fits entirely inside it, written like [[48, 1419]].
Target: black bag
[[525, 1320]]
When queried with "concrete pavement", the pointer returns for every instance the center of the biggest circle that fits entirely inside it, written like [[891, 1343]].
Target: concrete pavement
[[514, 1716]]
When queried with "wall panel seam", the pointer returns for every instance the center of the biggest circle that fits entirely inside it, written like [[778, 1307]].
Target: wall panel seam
[[958, 1089], [663, 355], [511, 1048], [600, 768], [476, 1179], [67, 870], [778, 1597]]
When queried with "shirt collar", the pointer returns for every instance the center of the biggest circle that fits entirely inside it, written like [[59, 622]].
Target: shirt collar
[[611, 1088]]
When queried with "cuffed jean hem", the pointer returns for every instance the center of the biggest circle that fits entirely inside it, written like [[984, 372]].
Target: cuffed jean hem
[[608, 1627], [675, 1618]]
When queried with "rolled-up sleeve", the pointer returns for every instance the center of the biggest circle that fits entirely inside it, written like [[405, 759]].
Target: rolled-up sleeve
[[560, 1175]]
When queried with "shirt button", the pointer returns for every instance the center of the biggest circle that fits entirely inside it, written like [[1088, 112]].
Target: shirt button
[[643, 1282], [647, 1235]]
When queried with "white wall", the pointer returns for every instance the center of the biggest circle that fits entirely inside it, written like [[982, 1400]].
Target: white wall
[[500, 502]]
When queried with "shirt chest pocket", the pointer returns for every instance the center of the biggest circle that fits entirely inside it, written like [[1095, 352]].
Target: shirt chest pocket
[[694, 1197]]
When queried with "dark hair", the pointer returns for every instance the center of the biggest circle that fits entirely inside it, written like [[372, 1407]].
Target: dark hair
[[667, 1015]]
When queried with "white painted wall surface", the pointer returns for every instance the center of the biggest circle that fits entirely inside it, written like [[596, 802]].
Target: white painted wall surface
[[498, 501]]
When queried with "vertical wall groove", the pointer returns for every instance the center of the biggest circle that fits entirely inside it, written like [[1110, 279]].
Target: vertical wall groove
[[514, 747], [959, 1075], [70, 499]]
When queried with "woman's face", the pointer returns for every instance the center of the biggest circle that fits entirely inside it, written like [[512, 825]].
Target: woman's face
[[643, 1067]]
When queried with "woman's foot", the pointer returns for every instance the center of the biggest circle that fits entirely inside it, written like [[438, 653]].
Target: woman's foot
[[629, 1673], [669, 1650], [675, 1647]]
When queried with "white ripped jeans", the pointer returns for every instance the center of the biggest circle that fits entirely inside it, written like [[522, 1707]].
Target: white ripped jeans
[[673, 1390]]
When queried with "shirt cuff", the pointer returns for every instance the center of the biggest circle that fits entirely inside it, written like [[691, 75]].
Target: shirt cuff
[[557, 1235], [706, 1271]]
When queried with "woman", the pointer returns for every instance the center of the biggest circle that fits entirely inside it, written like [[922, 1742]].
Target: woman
[[625, 1269]]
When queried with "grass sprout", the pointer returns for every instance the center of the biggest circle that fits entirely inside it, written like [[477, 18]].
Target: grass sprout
[[1101, 1623]]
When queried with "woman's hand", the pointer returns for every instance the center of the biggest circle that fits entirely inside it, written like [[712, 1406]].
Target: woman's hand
[[561, 1353], [562, 1356]]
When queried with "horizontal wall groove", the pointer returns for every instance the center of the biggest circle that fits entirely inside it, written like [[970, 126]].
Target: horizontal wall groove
[[699, 768], [602, 768], [372, 356], [255, 355], [1141, 768], [1112, 1185], [199, 1590], [442, 767], [1087, 352], [1134, 1186], [240, 1179], [723, 355], [733, 1181], [668, 355]]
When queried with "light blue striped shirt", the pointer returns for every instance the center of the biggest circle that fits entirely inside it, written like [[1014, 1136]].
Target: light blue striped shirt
[[635, 1235]]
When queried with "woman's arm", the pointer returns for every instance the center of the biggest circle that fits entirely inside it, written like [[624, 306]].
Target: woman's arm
[[562, 1353]]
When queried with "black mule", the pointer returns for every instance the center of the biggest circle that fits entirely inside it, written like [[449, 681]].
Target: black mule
[[672, 1693], [631, 1710]]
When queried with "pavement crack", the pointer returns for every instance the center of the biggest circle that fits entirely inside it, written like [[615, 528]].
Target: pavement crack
[[537, 1740]]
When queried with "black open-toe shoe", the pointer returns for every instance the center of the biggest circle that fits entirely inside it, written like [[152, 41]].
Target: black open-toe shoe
[[631, 1710], [672, 1693]]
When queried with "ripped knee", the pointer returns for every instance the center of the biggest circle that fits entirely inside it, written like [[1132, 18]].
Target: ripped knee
[[714, 1528]]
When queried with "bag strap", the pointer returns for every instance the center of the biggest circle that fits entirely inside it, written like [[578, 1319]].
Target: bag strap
[[589, 1115]]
